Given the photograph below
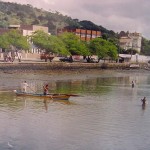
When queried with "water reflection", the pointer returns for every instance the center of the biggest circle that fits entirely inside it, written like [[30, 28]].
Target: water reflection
[[143, 106], [108, 113], [98, 84], [47, 102]]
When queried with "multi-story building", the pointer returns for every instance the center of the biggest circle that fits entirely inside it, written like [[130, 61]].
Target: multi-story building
[[131, 41], [28, 30], [84, 35]]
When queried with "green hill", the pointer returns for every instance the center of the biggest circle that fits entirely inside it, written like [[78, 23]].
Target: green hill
[[13, 13]]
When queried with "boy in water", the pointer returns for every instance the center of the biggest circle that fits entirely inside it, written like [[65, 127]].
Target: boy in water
[[132, 84], [143, 101]]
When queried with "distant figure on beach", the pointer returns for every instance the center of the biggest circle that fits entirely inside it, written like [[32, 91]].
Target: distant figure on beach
[[24, 86], [143, 101], [45, 89], [132, 84]]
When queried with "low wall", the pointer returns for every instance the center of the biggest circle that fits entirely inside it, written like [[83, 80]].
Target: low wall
[[47, 66], [64, 66]]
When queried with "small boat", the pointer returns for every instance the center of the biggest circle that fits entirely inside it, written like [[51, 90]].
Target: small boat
[[49, 96]]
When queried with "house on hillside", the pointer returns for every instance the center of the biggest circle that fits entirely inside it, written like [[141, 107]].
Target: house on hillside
[[130, 41], [83, 34]]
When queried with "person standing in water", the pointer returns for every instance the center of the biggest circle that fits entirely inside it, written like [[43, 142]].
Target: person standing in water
[[132, 84], [143, 101]]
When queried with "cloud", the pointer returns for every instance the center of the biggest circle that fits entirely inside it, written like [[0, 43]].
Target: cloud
[[117, 15]]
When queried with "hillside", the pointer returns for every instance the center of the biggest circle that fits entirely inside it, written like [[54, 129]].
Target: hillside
[[13, 13]]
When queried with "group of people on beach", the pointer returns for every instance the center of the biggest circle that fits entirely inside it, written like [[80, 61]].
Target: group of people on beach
[[10, 56]]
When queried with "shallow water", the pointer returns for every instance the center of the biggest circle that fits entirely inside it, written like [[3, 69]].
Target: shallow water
[[107, 116]]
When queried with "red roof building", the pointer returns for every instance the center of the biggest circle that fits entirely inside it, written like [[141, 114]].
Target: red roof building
[[84, 35]]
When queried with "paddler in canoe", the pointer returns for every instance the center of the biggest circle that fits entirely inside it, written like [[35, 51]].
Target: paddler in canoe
[[45, 89], [24, 86]]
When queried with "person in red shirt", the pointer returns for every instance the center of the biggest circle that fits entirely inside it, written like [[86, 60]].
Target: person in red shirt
[[45, 89]]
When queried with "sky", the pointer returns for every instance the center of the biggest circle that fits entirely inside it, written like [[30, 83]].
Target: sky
[[116, 15]]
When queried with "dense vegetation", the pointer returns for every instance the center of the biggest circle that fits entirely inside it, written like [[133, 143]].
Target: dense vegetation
[[70, 44], [145, 47], [64, 44], [13, 13], [14, 40]]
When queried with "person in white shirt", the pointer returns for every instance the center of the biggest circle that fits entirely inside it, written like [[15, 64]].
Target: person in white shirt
[[24, 86]]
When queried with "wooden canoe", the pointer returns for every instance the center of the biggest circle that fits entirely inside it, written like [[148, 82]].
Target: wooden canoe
[[49, 96]]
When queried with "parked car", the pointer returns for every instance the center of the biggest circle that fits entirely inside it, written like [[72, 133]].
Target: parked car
[[66, 59], [46, 56], [94, 60]]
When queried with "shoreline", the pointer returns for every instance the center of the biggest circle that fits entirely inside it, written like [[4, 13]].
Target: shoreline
[[14, 74], [67, 67]]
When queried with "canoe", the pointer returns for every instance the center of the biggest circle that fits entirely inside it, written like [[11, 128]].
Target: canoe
[[38, 95]]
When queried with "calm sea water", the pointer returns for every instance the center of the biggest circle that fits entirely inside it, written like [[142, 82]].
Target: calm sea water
[[107, 115]]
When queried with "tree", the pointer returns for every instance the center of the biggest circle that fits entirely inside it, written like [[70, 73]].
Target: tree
[[58, 46], [41, 40], [14, 39], [73, 44], [48, 43], [130, 51], [145, 47], [4, 44], [103, 48], [112, 51]]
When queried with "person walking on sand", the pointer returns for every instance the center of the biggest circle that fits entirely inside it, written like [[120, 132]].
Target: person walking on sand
[[24, 86]]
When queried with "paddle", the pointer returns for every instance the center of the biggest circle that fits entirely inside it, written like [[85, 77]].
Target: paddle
[[74, 95], [32, 89]]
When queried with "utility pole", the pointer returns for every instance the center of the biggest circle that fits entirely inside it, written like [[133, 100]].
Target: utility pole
[[118, 45]]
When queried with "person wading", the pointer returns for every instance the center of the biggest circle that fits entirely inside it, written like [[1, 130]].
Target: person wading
[[143, 101], [132, 84]]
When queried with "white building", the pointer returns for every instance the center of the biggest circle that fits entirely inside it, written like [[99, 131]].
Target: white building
[[28, 30], [134, 58], [131, 41]]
